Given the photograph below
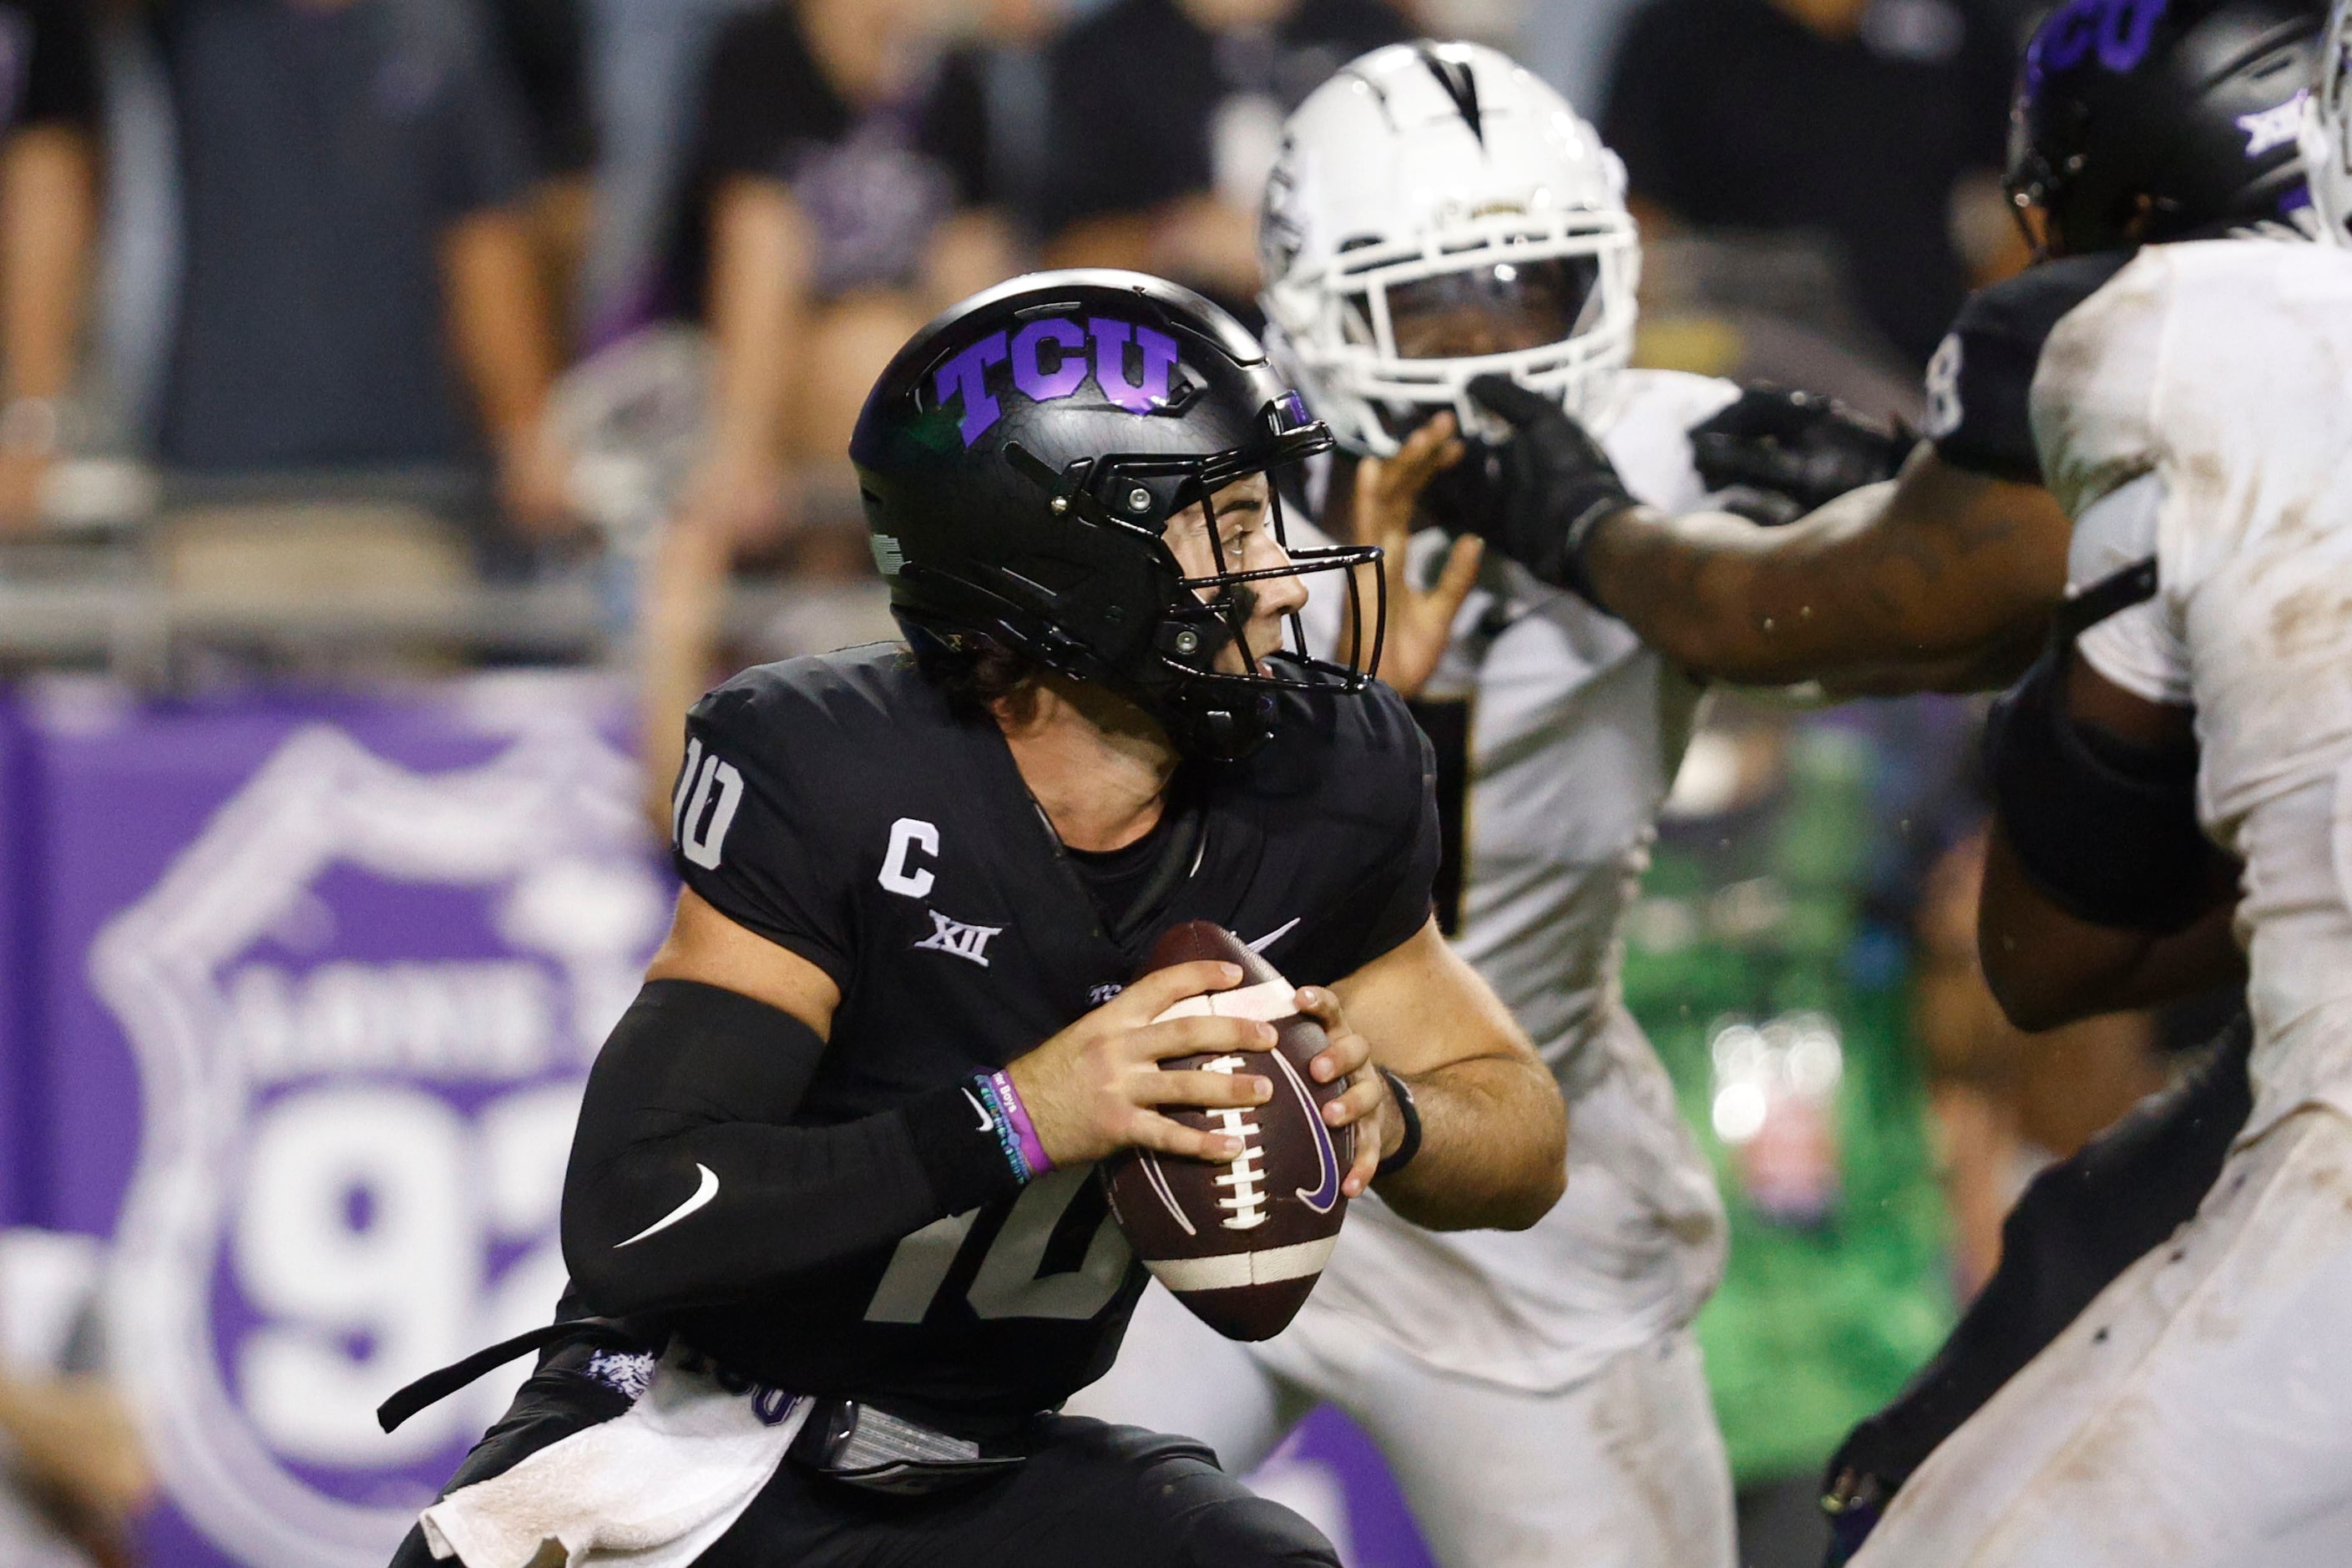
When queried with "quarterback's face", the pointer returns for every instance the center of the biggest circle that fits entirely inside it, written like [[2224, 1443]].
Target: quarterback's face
[[1244, 541]]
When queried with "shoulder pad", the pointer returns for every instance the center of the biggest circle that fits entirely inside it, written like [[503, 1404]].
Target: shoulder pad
[[1980, 383]]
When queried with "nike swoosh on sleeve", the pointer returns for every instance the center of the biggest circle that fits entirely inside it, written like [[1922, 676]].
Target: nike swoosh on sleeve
[[702, 1196], [987, 1122]]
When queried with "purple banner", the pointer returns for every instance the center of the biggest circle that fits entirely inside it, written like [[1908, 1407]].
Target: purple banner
[[322, 981], [317, 984]]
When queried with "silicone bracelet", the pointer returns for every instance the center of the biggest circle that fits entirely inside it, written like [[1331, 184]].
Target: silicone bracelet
[[1016, 1116], [1008, 1138], [1410, 1144]]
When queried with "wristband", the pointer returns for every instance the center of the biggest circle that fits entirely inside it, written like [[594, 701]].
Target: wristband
[[1009, 1120], [1412, 1113], [1016, 1116]]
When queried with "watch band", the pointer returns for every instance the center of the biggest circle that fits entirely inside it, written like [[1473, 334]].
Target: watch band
[[1411, 1146]]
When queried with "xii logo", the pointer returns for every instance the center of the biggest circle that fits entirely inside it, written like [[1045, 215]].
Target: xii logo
[[968, 941]]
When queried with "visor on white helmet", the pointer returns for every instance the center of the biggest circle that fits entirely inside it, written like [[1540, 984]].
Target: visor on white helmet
[[1388, 334]]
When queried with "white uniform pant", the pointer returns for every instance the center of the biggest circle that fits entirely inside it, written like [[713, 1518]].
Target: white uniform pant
[[2199, 1412], [1624, 1469]]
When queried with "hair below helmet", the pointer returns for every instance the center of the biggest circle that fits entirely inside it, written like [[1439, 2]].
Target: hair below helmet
[[2326, 130], [2149, 120], [1427, 186], [1021, 462]]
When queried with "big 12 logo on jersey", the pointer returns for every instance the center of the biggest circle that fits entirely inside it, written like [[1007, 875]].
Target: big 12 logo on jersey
[[361, 1002]]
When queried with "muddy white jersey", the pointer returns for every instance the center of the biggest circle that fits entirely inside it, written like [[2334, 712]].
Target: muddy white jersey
[[2199, 409], [1572, 731]]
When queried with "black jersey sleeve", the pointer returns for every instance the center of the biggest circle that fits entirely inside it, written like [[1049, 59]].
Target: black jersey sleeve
[[757, 824], [1981, 381], [1394, 896], [1406, 884]]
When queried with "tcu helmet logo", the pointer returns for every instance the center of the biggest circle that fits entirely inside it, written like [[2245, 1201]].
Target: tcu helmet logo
[[1050, 361], [2118, 31], [361, 1001]]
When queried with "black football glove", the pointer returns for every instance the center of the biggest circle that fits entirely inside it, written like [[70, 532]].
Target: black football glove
[[1555, 486], [1774, 454]]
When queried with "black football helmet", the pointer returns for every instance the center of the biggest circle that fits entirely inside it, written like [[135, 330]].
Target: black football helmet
[[1020, 460], [2185, 108]]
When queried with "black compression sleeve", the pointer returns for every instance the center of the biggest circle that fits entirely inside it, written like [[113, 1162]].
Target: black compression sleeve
[[690, 1184]]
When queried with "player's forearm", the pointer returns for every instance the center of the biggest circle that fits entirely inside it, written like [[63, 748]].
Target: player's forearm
[[685, 611], [1494, 1152], [1914, 581], [1724, 598], [48, 205], [500, 321], [688, 1185], [2048, 967], [762, 261]]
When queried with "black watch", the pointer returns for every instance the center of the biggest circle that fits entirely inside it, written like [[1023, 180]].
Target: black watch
[[1412, 1113]]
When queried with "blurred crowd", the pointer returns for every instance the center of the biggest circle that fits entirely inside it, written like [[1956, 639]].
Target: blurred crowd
[[351, 297], [355, 246]]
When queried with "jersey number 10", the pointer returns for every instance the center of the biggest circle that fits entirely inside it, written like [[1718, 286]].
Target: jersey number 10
[[1006, 1284]]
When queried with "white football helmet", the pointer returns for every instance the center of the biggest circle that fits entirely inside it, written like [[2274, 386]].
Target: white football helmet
[[1437, 213], [2327, 138]]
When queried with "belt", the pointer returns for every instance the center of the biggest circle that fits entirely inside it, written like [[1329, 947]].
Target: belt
[[864, 1446]]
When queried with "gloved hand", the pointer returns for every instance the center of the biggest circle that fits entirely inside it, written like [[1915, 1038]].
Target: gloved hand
[[1556, 485], [1779, 454]]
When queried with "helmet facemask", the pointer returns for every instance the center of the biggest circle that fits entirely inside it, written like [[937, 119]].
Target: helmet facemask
[[1195, 671], [1375, 334]]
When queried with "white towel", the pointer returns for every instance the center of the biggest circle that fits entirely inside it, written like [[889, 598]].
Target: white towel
[[650, 1489]]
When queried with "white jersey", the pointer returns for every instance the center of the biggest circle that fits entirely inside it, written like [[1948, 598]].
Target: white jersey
[[2199, 409], [1576, 730]]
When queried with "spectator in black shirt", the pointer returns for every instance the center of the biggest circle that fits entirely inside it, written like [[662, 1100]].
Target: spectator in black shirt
[[1164, 120], [48, 114], [359, 291], [820, 228], [1877, 122]]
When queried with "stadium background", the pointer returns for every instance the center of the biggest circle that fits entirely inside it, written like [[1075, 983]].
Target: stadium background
[[380, 474]]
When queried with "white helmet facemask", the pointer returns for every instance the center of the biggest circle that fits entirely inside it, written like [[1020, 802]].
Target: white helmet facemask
[[1438, 214], [2326, 134]]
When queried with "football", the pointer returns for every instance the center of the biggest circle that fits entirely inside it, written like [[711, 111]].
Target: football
[[1241, 1244]]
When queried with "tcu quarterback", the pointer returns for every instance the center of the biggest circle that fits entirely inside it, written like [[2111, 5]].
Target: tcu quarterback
[[836, 1250], [2193, 418], [1437, 216]]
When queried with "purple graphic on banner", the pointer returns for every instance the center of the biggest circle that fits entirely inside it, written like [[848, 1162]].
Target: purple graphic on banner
[[1328, 1470], [323, 984]]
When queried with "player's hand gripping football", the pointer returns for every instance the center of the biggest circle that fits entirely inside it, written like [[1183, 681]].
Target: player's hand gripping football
[[1091, 1090], [1367, 1105], [1388, 492]]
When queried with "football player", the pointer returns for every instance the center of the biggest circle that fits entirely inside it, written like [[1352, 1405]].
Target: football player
[[2193, 417], [1438, 214], [1949, 575], [836, 1249]]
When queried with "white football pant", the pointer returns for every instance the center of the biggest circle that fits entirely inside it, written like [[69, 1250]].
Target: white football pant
[[1624, 1470], [2197, 1413]]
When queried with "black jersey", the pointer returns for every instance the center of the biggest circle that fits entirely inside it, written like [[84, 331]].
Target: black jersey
[[836, 807], [1980, 383]]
